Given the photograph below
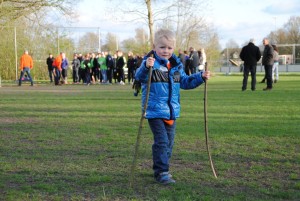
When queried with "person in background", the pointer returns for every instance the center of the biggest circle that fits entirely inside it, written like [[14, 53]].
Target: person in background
[[202, 59], [275, 65], [96, 68], [182, 57], [103, 67], [250, 54], [82, 70], [57, 68], [120, 63], [268, 62], [49, 62], [64, 67], [88, 70], [26, 64], [131, 65], [75, 68], [93, 61], [115, 72], [193, 61], [163, 109], [110, 67]]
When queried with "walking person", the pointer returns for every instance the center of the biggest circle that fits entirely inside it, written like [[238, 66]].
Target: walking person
[[268, 62], [49, 62], [163, 109], [250, 54], [275, 65], [26, 64]]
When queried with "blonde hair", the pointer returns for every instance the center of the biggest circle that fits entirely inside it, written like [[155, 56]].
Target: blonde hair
[[164, 33]]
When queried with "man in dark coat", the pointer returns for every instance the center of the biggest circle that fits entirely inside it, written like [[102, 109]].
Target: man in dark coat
[[193, 60], [268, 62], [49, 62], [250, 54]]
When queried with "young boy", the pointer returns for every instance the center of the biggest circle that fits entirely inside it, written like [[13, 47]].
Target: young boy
[[163, 109]]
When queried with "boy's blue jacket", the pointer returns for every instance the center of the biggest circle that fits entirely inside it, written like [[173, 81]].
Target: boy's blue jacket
[[164, 96]]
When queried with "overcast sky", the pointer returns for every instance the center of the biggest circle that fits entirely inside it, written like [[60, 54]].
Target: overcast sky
[[239, 20]]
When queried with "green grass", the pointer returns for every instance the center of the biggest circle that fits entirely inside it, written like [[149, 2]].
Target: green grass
[[76, 143]]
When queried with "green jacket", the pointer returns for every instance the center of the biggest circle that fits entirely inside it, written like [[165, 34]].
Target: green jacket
[[102, 63]]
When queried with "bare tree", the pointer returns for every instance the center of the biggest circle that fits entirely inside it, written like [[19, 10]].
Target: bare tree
[[182, 16], [292, 28], [12, 10]]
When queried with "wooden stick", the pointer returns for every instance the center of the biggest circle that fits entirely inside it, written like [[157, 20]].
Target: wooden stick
[[206, 126], [138, 139]]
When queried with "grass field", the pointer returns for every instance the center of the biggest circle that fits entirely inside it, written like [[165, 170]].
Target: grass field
[[76, 143]]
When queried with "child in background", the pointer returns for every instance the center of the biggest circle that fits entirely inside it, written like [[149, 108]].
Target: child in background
[[163, 109]]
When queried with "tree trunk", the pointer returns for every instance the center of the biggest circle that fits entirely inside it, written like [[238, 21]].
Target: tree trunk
[[150, 22]]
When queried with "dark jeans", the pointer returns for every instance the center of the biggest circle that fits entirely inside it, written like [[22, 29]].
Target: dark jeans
[[252, 70], [57, 76], [162, 147], [268, 70], [64, 74], [50, 71], [27, 71]]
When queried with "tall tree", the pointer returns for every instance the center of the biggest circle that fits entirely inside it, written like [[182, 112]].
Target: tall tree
[[292, 28], [12, 10]]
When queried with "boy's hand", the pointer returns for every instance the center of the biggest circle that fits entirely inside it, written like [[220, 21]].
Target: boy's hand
[[206, 75], [150, 62]]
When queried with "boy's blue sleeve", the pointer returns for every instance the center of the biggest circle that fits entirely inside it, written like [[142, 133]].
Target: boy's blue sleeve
[[141, 74], [192, 81]]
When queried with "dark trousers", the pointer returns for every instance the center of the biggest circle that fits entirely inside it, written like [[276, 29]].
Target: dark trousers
[[130, 75], [75, 75], [120, 73], [109, 74], [268, 69], [87, 76], [50, 71], [57, 76], [252, 70]]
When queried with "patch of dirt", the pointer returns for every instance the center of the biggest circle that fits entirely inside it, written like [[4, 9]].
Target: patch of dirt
[[12, 120]]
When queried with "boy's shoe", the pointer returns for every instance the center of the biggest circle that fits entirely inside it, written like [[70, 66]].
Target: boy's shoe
[[165, 178]]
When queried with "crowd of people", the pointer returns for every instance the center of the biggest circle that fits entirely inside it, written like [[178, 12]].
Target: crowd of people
[[92, 68], [105, 68]]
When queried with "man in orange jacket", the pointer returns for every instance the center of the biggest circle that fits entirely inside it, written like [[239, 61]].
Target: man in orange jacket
[[57, 68], [26, 64]]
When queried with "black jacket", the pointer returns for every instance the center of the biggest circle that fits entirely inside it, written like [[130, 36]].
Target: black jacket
[[49, 63], [250, 54], [268, 55], [193, 61]]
